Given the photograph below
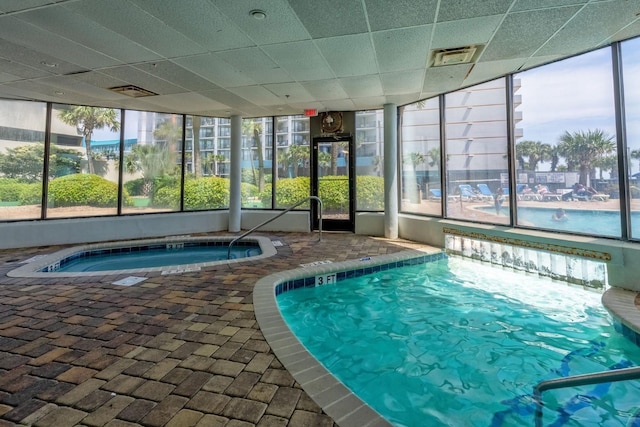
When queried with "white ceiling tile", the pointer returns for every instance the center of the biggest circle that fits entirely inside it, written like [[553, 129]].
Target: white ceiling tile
[[325, 89], [330, 18], [136, 24], [517, 38], [186, 102], [465, 32], [402, 49], [216, 70], [595, 24], [280, 25], [349, 55], [289, 92], [258, 66], [301, 60], [256, 95], [340, 105], [369, 103], [450, 10], [385, 14], [449, 77], [73, 26], [200, 21], [402, 82], [177, 75], [362, 86]]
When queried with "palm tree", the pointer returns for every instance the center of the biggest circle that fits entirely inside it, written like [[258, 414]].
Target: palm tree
[[580, 149], [535, 151], [197, 165], [87, 120], [252, 128], [215, 160], [411, 187]]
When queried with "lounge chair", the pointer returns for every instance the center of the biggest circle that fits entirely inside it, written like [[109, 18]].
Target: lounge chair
[[436, 194], [466, 192], [485, 192]]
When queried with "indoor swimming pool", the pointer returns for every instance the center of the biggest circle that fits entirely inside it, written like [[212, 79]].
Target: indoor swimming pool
[[460, 343]]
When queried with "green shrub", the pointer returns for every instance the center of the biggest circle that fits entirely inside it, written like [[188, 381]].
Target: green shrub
[[334, 193], [31, 194], [85, 190], [135, 187], [249, 192], [370, 193], [166, 197], [12, 190], [290, 191], [206, 193]]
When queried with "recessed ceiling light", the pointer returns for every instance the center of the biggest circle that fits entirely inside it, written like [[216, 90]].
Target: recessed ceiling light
[[58, 92], [258, 14], [49, 64]]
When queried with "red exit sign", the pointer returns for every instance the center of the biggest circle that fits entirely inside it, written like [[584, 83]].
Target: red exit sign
[[311, 112]]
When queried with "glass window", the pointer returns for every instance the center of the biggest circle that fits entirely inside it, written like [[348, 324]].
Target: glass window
[[631, 69], [293, 155], [256, 162], [22, 128], [476, 153], [152, 171], [420, 154], [88, 139], [370, 160], [566, 157], [203, 188]]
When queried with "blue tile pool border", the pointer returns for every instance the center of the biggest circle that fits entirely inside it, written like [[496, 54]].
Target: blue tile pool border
[[306, 282], [39, 267], [129, 247], [346, 409]]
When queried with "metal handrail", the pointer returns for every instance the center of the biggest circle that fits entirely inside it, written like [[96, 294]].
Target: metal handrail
[[615, 375], [246, 233]]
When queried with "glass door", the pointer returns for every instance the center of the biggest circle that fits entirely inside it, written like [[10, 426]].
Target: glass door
[[333, 182]]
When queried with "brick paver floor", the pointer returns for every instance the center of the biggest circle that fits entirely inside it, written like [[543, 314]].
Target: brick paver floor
[[174, 350]]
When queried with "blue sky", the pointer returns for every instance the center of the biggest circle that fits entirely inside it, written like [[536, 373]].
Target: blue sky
[[557, 97]]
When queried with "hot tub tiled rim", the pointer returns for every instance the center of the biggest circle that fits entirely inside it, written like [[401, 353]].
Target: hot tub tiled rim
[[31, 269]]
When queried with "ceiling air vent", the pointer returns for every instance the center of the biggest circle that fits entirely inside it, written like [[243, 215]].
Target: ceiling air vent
[[132, 91], [458, 55]]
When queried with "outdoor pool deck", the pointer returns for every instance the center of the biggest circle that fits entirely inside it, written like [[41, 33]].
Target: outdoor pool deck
[[175, 350]]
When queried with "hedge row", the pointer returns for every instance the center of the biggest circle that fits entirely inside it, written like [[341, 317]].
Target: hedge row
[[200, 193]]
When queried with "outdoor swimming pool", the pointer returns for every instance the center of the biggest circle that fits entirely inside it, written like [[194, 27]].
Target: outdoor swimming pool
[[459, 343], [178, 254], [597, 222]]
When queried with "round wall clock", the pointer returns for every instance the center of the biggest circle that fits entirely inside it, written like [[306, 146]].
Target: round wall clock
[[331, 122]]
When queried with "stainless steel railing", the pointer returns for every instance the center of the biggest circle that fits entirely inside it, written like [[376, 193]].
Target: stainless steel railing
[[615, 375], [246, 233]]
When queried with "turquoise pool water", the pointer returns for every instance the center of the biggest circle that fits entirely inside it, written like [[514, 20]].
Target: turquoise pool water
[[598, 222], [125, 258], [459, 343]]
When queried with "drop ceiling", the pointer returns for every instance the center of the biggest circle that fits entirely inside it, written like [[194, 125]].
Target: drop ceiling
[[214, 58]]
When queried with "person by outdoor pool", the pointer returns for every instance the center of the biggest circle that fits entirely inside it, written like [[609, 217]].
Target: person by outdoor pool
[[559, 215]]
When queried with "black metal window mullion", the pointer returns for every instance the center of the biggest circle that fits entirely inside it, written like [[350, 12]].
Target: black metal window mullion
[[45, 167]]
